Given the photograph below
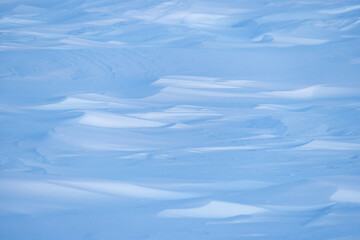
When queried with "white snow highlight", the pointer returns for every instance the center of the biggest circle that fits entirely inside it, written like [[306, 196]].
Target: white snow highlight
[[197, 82], [178, 113], [340, 10], [313, 92], [214, 209], [346, 195], [124, 189], [227, 148], [329, 145], [109, 120], [87, 101]]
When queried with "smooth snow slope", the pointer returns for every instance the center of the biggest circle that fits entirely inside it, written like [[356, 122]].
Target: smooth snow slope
[[179, 119]]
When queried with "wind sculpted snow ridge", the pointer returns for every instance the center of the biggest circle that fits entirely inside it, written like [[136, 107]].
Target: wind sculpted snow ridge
[[179, 120]]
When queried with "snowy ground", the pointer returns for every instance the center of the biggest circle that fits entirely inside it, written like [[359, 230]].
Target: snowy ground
[[179, 120]]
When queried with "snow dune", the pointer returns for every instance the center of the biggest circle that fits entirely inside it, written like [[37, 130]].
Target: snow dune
[[68, 194], [314, 92], [178, 113], [341, 10], [227, 148], [190, 119], [176, 13], [86, 101], [346, 195], [123, 189], [201, 82], [330, 145], [108, 120], [214, 209]]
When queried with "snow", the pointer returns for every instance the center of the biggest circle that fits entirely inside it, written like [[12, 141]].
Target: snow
[[123, 189], [341, 10], [346, 195], [330, 145], [214, 209], [227, 148], [316, 92], [108, 120], [183, 119]]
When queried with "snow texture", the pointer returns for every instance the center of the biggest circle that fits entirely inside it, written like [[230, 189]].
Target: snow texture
[[161, 120]]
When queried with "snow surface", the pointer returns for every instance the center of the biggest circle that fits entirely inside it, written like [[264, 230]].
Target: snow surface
[[178, 119]]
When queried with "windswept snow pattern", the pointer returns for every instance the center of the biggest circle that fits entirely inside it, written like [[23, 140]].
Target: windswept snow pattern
[[180, 120]]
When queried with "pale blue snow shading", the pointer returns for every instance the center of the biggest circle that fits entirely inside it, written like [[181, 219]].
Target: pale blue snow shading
[[179, 119]]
